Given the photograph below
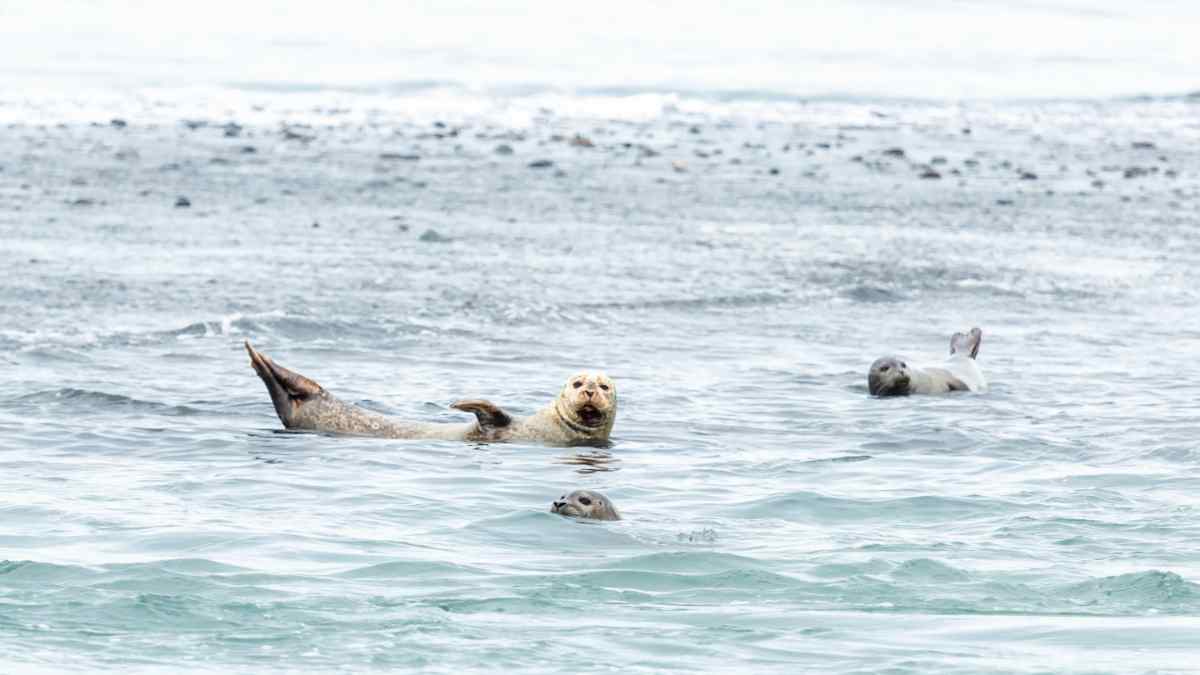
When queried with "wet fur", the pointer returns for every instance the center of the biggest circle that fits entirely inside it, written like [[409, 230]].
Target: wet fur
[[599, 508], [891, 376], [302, 404]]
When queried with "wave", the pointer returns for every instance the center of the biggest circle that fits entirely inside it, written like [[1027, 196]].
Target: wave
[[68, 346], [690, 304], [1135, 592], [721, 94], [227, 604], [408, 569], [394, 88], [88, 400], [686, 562], [812, 506]]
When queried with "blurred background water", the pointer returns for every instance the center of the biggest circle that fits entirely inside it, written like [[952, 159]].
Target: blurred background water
[[733, 213], [771, 48]]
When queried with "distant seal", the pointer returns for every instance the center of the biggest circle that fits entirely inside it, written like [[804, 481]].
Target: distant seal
[[891, 376], [583, 412], [585, 504]]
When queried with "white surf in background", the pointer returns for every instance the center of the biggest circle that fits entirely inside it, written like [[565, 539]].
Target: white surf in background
[[922, 49]]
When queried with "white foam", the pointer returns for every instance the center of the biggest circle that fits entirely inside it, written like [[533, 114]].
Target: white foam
[[1066, 48]]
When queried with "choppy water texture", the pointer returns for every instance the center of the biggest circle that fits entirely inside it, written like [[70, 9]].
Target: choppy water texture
[[735, 267]]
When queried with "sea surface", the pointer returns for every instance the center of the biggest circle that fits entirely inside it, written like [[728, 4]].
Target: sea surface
[[733, 257]]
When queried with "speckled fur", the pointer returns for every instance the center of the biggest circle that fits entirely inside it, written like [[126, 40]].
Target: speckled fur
[[302, 404], [598, 507]]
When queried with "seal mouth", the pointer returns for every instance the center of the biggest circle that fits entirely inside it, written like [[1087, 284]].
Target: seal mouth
[[590, 415], [565, 510], [898, 387]]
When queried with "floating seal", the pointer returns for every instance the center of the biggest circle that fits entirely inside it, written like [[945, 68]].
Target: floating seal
[[891, 376], [584, 411], [585, 504]]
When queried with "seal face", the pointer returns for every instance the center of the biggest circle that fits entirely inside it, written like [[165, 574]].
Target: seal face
[[585, 504], [889, 376], [587, 404]]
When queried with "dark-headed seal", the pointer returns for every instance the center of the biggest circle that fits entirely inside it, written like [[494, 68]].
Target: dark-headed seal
[[585, 504], [583, 412], [892, 376]]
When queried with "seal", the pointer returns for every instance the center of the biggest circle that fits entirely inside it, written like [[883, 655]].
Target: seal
[[585, 504], [583, 412], [891, 376]]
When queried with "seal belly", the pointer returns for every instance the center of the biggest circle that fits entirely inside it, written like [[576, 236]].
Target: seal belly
[[329, 414], [966, 370]]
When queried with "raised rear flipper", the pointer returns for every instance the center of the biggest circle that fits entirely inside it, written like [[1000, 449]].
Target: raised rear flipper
[[490, 416], [966, 343], [288, 390]]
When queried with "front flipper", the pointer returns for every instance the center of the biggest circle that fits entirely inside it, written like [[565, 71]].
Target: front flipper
[[966, 343], [490, 416]]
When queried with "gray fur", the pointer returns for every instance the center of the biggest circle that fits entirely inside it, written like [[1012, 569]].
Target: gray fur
[[585, 504], [892, 376], [303, 404]]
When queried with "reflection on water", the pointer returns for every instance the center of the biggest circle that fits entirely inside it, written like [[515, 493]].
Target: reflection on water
[[591, 461]]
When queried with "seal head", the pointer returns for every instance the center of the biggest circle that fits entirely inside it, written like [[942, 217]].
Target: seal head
[[585, 504], [587, 404], [889, 376]]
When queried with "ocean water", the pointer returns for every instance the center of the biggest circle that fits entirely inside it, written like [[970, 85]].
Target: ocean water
[[733, 256]]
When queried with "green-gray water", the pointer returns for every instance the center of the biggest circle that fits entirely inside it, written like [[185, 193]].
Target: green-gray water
[[734, 267]]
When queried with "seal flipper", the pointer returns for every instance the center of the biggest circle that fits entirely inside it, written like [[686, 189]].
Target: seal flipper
[[966, 343], [288, 390], [489, 414]]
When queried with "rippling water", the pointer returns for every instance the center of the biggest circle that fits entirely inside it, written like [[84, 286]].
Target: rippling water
[[734, 267]]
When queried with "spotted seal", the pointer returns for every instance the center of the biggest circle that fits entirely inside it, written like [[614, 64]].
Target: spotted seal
[[891, 376], [585, 504], [583, 412]]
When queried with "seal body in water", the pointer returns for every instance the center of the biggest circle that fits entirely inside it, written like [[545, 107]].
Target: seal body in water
[[583, 412], [892, 376], [585, 504]]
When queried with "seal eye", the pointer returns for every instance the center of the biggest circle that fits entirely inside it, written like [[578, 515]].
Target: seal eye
[[578, 384], [903, 365], [884, 369], [586, 501], [604, 387]]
